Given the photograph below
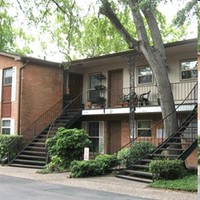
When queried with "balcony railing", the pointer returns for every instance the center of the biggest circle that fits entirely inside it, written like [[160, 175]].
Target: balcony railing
[[116, 98]]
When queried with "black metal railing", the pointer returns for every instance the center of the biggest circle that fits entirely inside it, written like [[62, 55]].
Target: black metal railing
[[98, 98], [75, 105], [160, 137], [35, 129]]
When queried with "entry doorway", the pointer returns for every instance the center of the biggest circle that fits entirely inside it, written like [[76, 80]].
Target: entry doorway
[[114, 143], [115, 84]]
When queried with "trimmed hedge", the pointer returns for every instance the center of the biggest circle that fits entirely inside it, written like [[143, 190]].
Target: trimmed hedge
[[101, 165], [5, 140], [167, 169]]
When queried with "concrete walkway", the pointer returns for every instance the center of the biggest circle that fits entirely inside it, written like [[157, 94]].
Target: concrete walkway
[[104, 183]]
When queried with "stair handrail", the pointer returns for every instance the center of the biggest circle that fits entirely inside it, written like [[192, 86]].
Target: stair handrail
[[176, 108], [62, 111], [31, 126]]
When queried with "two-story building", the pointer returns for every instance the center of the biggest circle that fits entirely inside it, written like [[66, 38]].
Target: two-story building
[[115, 98], [29, 87], [106, 82]]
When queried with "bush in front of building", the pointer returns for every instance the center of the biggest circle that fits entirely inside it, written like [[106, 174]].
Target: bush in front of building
[[198, 149], [167, 169], [127, 156], [5, 151], [67, 145], [102, 164]]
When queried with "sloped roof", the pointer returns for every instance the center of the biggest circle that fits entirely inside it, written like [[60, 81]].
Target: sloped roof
[[129, 52], [30, 59]]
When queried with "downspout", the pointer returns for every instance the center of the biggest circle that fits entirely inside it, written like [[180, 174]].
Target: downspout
[[20, 95]]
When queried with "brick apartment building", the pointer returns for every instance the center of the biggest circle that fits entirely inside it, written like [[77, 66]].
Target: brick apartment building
[[28, 88]]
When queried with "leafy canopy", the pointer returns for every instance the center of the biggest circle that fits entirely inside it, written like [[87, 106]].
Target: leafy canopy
[[82, 31]]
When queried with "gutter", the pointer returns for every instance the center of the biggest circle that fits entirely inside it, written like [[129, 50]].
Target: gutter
[[20, 96]]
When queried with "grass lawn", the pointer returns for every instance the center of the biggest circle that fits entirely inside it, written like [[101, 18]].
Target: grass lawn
[[188, 183]]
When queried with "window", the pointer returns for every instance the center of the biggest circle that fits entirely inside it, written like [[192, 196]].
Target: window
[[7, 76], [94, 94], [94, 135], [6, 127], [143, 128], [189, 69], [95, 131], [145, 75]]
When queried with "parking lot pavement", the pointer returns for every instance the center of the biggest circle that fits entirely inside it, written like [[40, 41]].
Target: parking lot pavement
[[103, 183]]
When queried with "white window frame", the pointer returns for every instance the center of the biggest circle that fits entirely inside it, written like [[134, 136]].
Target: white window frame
[[13, 89], [147, 74], [4, 75], [188, 70], [11, 127], [85, 125], [144, 129]]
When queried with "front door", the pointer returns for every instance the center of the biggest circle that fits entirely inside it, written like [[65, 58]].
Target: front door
[[115, 91], [114, 136], [75, 84]]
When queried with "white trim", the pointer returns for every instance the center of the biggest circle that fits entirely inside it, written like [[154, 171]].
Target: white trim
[[12, 128], [101, 133], [1, 72], [13, 89], [101, 137]]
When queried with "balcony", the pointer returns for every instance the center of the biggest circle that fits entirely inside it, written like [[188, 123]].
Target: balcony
[[146, 99]]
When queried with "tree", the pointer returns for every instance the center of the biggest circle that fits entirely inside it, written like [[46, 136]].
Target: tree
[[8, 33], [155, 55], [70, 26]]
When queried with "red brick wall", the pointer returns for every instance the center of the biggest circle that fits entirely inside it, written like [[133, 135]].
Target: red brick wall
[[42, 87], [6, 62]]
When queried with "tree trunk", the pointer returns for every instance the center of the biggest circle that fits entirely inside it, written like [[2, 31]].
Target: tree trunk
[[154, 55]]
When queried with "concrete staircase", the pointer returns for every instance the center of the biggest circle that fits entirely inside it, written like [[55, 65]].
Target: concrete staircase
[[34, 155]]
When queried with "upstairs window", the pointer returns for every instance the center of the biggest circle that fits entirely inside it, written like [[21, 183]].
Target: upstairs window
[[94, 94], [189, 69], [7, 76], [145, 75]]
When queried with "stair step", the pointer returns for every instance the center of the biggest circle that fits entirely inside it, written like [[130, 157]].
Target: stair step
[[32, 157], [133, 178], [139, 173], [168, 155], [34, 152], [145, 160], [140, 166], [26, 166], [29, 161], [171, 149], [36, 148]]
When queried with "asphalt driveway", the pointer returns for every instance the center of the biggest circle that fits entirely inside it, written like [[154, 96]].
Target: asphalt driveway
[[14, 188], [99, 185]]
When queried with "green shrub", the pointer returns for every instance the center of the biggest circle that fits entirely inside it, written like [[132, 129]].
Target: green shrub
[[102, 164], [167, 169], [68, 145], [5, 140], [199, 149], [137, 150], [122, 156]]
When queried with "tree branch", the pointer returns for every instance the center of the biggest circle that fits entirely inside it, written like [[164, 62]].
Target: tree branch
[[106, 10], [155, 32], [138, 21]]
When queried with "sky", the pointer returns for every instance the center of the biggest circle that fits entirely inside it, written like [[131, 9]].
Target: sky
[[169, 10]]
